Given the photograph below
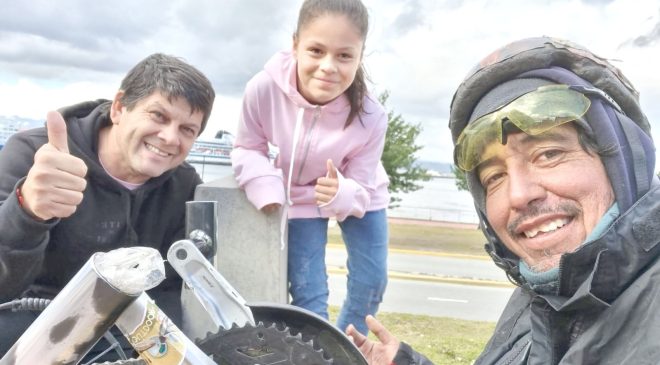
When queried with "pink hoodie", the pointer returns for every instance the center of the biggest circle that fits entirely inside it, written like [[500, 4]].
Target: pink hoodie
[[274, 112]]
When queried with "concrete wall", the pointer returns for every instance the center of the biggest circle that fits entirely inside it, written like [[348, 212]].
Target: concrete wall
[[249, 253]]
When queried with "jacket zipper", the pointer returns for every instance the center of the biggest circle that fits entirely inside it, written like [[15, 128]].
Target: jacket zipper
[[308, 141]]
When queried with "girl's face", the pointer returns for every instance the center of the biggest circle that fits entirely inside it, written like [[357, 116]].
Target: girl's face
[[329, 51]]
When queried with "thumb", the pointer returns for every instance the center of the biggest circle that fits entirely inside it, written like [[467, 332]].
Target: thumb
[[56, 128], [332, 170]]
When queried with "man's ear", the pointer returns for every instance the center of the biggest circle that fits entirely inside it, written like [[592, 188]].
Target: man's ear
[[117, 107]]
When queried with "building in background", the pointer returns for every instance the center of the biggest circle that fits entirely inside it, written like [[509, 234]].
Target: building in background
[[11, 125], [213, 151]]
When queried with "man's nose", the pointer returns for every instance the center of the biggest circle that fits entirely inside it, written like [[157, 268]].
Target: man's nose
[[524, 187], [170, 134]]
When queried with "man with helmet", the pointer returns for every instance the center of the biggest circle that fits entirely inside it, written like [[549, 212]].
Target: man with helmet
[[560, 162]]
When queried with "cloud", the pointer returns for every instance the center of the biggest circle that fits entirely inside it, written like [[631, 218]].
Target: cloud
[[649, 39], [228, 40], [597, 2], [418, 50], [103, 22], [411, 17], [77, 34]]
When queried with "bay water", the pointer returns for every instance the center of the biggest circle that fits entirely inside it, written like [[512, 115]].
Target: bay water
[[438, 199]]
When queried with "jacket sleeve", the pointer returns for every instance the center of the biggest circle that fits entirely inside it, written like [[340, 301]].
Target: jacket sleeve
[[359, 177], [407, 356], [23, 239], [262, 182]]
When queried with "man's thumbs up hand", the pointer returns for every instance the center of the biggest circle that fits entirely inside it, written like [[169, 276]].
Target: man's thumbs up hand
[[55, 183], [56, 128], [326, 187]]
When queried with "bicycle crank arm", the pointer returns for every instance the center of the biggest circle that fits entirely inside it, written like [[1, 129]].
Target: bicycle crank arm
[[223, 303]]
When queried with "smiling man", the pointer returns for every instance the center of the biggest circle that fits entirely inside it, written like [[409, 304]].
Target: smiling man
[[560, 162], [103, 174]]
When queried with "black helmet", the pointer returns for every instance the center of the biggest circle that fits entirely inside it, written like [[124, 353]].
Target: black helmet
[[539, 53]]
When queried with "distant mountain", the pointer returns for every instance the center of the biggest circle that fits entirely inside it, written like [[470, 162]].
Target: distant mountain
[[435, 166]]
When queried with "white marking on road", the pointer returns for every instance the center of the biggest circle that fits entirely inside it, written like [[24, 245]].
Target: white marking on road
[[447, 300]]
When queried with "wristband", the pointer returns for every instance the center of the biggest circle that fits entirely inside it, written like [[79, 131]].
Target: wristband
[[19, 196]]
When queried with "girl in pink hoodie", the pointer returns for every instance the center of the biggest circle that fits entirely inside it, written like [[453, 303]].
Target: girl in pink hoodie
[[312, 104]]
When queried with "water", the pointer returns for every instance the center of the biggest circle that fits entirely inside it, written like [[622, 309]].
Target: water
[[437, 200], [210, 172]]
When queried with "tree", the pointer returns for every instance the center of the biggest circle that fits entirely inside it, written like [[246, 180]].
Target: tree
[[399, 154], [461, 178]]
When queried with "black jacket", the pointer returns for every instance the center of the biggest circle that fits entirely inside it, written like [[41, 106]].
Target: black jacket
[[607, 310], [44, 256]]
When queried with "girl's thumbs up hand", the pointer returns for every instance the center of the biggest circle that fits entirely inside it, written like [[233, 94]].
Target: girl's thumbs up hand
[[326, 187]]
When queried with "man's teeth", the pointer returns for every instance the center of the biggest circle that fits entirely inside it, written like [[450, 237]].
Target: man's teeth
[[545, 228], [156, 150]]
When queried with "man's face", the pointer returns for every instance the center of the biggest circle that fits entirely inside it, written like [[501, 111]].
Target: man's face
[[151, 138], [544, 194]]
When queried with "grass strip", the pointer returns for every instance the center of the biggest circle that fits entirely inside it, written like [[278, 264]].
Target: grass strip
[[428, 237], [442, 340]]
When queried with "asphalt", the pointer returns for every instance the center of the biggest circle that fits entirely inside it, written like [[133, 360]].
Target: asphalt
[[438, 275]]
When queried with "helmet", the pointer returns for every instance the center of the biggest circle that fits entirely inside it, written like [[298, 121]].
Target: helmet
[[545, 59], [539, 53]]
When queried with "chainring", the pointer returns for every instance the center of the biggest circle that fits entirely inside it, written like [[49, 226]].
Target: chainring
[[260, 345], [312, 327]]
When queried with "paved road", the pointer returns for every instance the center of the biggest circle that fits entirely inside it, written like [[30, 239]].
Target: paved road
[[429, 263], [432, 284], [470, 302]]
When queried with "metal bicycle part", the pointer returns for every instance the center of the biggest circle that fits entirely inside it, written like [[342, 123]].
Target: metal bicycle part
[[311, 327], [225, 306], [230, 311], [122, 362], [201, 226], [261, 345]]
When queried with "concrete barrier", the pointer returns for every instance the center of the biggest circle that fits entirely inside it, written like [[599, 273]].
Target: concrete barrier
[[248, 253]]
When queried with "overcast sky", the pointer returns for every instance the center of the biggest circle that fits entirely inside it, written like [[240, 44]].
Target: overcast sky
[[55, 53]]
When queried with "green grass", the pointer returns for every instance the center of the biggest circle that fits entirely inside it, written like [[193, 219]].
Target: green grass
[[442, 340], [437, 238]]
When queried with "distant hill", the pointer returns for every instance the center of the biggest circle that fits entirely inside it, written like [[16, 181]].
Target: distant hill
[[441, 168]]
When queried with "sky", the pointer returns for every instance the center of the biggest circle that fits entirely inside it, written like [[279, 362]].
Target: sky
[[57, 53]]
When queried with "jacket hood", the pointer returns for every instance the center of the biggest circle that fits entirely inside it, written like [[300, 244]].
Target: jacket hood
[[84, 122], [629, 168], [283, 69]]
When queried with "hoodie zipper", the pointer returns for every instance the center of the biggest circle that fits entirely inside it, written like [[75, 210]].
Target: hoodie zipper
[[308, 141]]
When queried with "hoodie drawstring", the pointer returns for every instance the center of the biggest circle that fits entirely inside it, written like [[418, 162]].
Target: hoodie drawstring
[[288, 202], [296, 137]]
